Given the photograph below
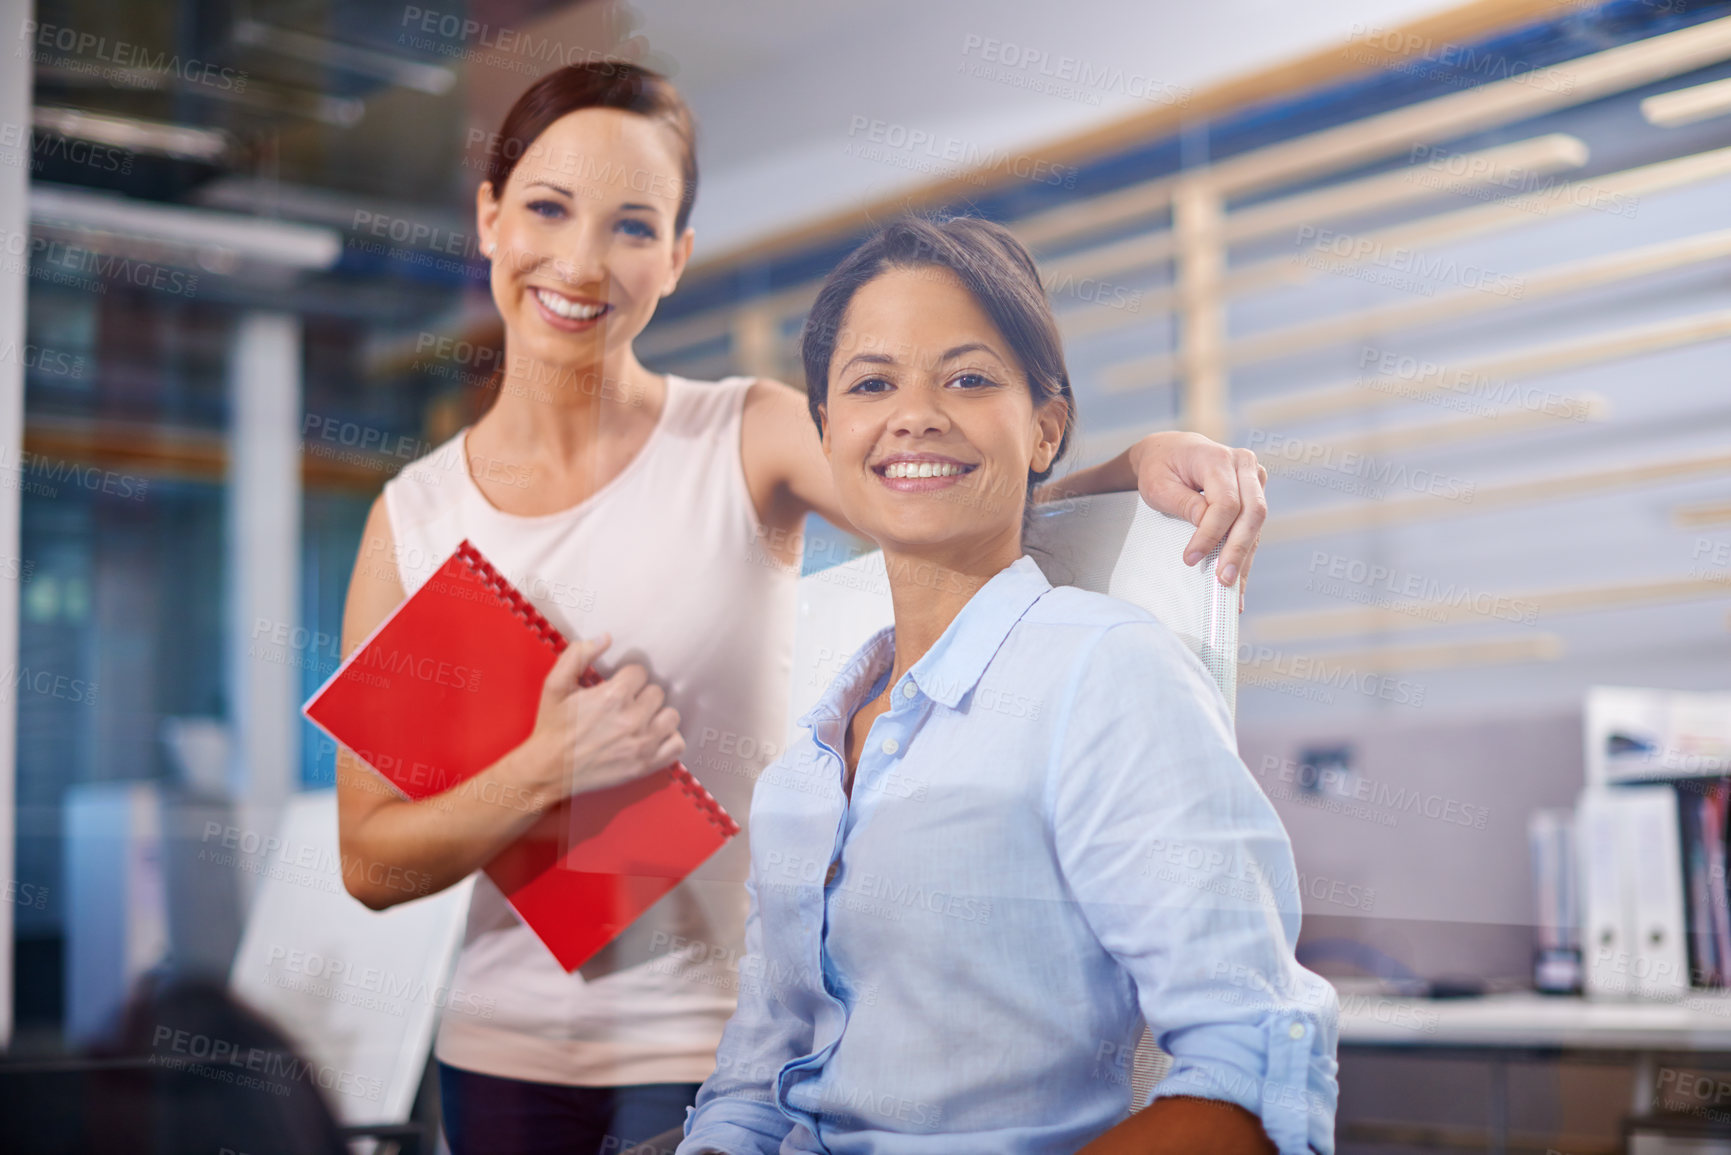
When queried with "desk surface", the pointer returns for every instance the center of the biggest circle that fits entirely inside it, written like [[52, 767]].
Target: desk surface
[[1700, 1022]]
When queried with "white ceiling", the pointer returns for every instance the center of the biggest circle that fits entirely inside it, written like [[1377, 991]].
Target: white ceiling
[[777, 84]]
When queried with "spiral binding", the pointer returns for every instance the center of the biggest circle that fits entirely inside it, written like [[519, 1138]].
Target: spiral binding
[[549, 633], [507, 593], [719, 817]]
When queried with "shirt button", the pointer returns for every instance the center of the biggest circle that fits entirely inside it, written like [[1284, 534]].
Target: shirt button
[[1295, 1031], [890, 746], [834, 869], [908, 690]]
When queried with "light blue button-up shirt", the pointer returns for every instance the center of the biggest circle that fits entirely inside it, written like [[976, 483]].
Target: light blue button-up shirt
[[1050, 839]]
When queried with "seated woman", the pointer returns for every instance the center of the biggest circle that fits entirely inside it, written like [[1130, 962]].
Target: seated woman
[[962, 913]]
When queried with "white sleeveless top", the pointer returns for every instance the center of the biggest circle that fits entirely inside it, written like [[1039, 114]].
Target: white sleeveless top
[[668, 557]]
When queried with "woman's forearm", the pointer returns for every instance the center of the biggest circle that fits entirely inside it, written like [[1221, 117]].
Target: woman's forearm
[[400, 849], [1179, 1125], [1113, 476]]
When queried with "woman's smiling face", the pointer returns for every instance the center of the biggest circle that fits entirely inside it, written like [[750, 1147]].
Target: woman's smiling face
[[583, 235], [929, 425]]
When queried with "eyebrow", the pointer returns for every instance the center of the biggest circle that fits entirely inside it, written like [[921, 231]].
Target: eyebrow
[[949, 355], [563, 191], [868, 358], [970, 347]]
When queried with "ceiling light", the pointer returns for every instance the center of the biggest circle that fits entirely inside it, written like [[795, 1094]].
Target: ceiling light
[[180, 141], [1688, 105], [218, 242], [429, 78]]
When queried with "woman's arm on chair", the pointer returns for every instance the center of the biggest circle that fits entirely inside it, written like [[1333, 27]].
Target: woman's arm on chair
[[1179, 1125], [1186, 876]]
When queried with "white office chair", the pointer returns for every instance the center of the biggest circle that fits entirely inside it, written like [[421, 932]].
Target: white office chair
[[359, 992], [1111, 543]]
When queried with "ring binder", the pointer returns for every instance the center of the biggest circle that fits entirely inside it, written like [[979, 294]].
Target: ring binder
[[520, 605], [717, 814], [449, 684]]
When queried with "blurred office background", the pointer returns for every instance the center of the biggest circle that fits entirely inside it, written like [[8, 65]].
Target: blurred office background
[[1458, 273]]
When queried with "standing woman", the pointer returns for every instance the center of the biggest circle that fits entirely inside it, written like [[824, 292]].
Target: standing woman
[[658, 512]]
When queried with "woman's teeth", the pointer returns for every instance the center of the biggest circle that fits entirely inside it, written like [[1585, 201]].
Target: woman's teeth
[[570, 309], [922, 469]]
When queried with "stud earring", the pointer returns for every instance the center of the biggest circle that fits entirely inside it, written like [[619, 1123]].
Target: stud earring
[[488, 249]]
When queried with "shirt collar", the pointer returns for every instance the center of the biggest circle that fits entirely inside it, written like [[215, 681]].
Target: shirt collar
[[954, 664]]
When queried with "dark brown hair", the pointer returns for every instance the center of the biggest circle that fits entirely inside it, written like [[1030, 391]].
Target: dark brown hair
[[597, 84], [996, 270]]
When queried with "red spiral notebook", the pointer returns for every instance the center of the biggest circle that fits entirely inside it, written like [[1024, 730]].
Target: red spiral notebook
[[449, 684]]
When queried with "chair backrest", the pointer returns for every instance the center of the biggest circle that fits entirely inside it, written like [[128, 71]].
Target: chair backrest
[[1111, 543], [359, 992]]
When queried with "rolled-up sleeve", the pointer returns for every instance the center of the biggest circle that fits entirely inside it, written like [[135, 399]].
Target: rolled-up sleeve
[[1185, 874], [736, 1110]]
